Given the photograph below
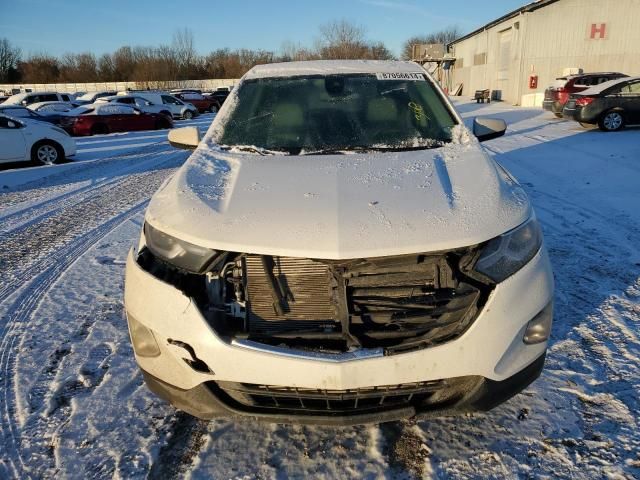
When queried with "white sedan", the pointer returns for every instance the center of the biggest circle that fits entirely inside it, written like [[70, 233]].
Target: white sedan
[[38, 142]]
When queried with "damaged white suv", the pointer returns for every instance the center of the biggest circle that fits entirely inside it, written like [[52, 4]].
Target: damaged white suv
[[339, 249]]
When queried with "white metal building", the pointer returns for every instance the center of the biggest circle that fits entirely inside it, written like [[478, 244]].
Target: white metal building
[[521, 53]]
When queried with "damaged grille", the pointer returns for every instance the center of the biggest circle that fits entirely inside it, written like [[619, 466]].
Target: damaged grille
[[310, 401], [367, 302], [397, 303]]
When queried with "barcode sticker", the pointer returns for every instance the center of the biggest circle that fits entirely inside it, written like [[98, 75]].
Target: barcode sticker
[[400, 76]]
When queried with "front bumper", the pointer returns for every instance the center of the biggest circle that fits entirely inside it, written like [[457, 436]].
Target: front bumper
[[553, 106], [491, 349], [203, 402]]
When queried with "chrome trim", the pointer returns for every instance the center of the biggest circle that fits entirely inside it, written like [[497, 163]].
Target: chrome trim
[[361, 354]]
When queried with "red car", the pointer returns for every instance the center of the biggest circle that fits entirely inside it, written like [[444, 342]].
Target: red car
[[101, 118], [556, 96], [201, 102]]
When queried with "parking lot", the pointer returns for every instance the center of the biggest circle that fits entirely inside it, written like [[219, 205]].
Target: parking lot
[[73, 399]]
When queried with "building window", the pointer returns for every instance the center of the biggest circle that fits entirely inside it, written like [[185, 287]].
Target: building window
[[480, 59]]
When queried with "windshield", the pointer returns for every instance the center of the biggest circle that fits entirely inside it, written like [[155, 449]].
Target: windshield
[[337, 112]]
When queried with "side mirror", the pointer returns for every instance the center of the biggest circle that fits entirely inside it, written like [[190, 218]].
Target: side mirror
[[186, 138], [487, 128]]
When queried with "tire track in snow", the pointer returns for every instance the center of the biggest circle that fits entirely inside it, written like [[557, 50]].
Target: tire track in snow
[[186, 438], [21, 207], [17, 319], [65, 239], [29, 249]]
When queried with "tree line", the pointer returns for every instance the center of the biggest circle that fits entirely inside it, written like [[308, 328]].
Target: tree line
[[179, 60]]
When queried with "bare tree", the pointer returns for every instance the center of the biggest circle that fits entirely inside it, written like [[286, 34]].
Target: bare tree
[[341, 40], [445, 36], [184, 50], [9, 58], [40, 68]]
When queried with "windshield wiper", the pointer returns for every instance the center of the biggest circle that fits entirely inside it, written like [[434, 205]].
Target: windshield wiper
[[346, 150], [250, 148]]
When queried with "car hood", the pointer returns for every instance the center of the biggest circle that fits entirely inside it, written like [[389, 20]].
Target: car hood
[[339, 206]]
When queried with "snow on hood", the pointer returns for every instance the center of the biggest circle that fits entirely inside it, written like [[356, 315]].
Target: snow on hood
[[339, 206]]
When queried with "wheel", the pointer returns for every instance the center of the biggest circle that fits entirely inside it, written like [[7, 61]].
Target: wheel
[[46, 152], [162, 124], [99, 129], [167, 113], [188, 115], [611, 122]]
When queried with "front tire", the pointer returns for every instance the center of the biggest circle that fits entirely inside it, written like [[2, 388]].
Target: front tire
[[162, 124], [188, 115], [611, 122], [47, 152]]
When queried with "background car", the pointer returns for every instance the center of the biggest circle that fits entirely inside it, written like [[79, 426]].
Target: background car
[[38, 142], [138, 102], [91, 97], [556, 96], [18, 111], [178, 108], [52, 111], [611, 105], [102, 118], [202, 103], [184, 90], [37, 97], [220, 94]]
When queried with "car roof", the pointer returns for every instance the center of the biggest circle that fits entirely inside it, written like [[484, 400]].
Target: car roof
[[57, 102], [605, 85], [589, 74], [327, 67]]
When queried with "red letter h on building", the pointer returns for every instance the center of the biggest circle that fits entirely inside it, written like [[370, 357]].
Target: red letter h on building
[[598, 31]]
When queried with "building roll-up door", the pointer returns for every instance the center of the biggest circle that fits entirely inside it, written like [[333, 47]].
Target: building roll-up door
[[504, 54]]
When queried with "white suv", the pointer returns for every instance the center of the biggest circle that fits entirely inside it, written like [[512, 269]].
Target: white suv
[[178, 108], [339, 249], [26, 99]]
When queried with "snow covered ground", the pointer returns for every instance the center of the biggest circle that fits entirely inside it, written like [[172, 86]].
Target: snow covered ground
[[72, 403]]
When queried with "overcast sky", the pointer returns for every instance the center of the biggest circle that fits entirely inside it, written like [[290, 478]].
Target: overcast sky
[[59, 26]]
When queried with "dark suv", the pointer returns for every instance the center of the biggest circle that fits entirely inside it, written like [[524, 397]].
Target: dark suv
[[556, 96]]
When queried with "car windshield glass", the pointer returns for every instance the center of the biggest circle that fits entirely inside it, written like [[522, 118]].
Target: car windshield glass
[[87, 96], [359, 112]]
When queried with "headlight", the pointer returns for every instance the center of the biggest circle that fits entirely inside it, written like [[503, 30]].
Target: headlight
[[177, 252], [505, 255]]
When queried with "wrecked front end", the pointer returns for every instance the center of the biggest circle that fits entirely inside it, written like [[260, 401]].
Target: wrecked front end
[[322, 341]]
